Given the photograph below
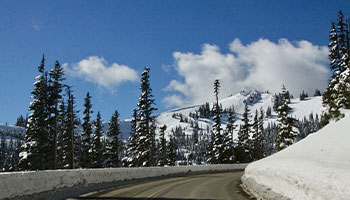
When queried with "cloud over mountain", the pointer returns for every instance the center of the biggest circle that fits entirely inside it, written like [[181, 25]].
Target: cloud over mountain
[[262, 65]]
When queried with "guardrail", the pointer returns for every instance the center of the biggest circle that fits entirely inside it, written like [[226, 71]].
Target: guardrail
[[57, 184]]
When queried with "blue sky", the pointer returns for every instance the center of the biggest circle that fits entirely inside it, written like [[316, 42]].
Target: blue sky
[[187, 44]]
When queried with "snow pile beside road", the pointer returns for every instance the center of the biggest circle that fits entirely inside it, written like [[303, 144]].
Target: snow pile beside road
[[317, 167]]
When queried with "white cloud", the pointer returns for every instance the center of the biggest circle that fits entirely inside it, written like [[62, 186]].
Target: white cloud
[[96, 70], [262, 65]]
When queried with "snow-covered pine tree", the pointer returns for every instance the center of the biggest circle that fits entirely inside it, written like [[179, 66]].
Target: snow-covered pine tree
[[153, 148], [286, 124], [261, 137], [171, 151], [61, 125], [162, 147], [228, 136], [336, 94], [55, 89], [258, 136], [69, 139], [11, 156], [132, 140], [254, 143], [268, 112], [144, 135], [35, 147], [217, 139], [97, 148], [85, 158], [112, 142], [242, 153], [343, 100]]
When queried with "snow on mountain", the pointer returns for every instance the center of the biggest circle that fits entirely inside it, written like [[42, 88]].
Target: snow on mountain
[[317, 167], [255, 101], [12, 129]]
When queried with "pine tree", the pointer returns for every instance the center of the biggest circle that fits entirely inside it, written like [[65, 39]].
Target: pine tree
[[261, 139], [217, 149], [343, 100], [97, 150], [242, 153], [86, 134], [162, 150], [112, 143], [153, 147], [55, 89], [35, 148], [60, 137], [228, 136], [171, 151], [258, 136], [337, 94], [132, 141], [144, 136], [286, 124], [70, 123], [21, 121]]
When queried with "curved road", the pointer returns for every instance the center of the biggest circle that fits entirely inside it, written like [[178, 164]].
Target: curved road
[[203, 186]]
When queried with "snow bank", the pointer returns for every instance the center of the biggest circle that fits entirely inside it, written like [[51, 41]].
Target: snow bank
[[317, 167], [19, 184]]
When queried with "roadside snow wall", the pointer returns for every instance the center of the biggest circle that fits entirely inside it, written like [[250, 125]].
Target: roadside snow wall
[[317, 167], [60, 184]]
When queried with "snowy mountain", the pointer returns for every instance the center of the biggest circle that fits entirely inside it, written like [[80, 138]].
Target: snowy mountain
[[255, 101], [16, 130], [318, 167]]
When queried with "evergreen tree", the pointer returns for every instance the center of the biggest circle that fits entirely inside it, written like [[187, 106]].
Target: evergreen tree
[[55, 89], [97, 148], [317, 93], [162, 150], [132, 141], [69, 139], [86, 134], [171, 151], [337, 94], [60, 137], [261, 139], [21, 121], [217, 139], [228, 136], [242, 153], [268, 112], [286, 124], [144, 135], [258, 136], [112, 143], [153, 151], [35, 148]]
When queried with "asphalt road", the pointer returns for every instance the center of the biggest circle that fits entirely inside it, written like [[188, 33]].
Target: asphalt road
[[203, 186]]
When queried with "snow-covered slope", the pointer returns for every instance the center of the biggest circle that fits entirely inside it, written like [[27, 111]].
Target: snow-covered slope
[[17, 130], [255, 101], [317, 167]]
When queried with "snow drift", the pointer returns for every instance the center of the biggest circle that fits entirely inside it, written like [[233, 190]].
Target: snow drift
[[317, 167]]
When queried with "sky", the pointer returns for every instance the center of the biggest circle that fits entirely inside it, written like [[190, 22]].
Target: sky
[[105, 45]]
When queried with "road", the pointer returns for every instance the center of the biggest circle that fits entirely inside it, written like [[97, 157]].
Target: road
[[203, 186]]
